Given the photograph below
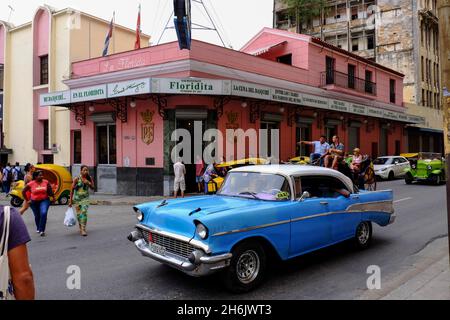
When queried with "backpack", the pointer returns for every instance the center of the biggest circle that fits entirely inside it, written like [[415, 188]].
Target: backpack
[[20, 175], [9, 175]]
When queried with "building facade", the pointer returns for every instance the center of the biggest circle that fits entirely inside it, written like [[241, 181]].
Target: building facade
[[35, 58], [126, 107], [402, 35]]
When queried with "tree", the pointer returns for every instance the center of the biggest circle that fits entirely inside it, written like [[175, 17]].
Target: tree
[[305, 10]]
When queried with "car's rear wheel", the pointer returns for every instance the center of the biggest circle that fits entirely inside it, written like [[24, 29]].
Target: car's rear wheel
[[363, 235], [63, 200], [247, 267], [16, 202], [437, 180]]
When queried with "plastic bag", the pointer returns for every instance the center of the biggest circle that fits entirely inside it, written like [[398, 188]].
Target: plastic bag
[[70, 220]]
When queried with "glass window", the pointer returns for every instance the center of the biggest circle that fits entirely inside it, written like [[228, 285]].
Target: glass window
[[46, 135], [323, 187], [392, 91], [286, 59], [1, 77], [77, 147], [255, 185], [44, 70], [106, 144]]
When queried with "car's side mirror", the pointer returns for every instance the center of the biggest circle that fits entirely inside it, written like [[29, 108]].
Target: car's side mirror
[[305, 195]]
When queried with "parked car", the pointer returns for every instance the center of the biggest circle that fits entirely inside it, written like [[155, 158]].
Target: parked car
[[261, 213], [389, 168], [426, 166]]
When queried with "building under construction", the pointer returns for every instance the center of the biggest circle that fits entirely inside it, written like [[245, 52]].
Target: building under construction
[[402, 35]]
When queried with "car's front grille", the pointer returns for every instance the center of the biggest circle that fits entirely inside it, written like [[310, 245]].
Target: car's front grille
[[172, 245]]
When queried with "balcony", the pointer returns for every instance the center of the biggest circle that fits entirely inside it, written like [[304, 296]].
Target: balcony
[[345, 81]]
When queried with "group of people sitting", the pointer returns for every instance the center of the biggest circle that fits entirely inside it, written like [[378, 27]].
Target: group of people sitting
[[330, 155]]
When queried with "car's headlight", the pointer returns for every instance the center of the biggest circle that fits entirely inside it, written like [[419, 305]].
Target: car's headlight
[[384, 169], [139, 215], [202, 231]]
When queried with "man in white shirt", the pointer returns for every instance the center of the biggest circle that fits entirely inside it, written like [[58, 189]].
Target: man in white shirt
[[321, 148], [179, 184]]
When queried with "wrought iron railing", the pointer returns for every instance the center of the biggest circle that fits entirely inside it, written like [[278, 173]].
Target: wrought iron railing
[[347, 81]]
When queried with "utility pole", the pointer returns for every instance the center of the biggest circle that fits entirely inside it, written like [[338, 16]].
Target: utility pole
[[444, 47]]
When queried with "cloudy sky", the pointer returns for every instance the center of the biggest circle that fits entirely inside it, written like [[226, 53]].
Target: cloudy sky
[[238, 20]]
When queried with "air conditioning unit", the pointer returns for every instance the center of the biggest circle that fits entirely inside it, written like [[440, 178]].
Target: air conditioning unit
[[55, 148]]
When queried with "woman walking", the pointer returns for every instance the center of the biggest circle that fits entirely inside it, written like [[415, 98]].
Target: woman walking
[[39, 199], [79, 197]]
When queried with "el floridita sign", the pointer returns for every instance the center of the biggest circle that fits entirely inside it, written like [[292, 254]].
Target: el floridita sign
[[199, 86]]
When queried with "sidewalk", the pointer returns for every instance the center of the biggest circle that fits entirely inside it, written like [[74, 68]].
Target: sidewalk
[[428, 278]]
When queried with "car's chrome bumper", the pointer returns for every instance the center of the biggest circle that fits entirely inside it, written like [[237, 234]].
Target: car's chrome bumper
[[201, 265], [382, 174], [392, 218]]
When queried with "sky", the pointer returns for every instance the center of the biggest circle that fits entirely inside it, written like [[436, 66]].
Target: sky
[[237, 20]]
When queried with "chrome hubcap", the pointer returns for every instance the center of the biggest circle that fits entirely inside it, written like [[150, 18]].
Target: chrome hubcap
[[248, 267], [363, 233]]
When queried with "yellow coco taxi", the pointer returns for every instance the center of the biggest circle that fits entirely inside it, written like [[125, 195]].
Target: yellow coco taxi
[[59, 178]]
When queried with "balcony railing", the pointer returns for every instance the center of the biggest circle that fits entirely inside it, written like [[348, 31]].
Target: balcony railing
[[346, 81]]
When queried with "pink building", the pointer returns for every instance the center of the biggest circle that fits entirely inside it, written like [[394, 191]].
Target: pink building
[[126, 106]]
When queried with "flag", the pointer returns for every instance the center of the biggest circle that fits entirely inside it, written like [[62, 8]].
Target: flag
[[137, 44], [108, 37]]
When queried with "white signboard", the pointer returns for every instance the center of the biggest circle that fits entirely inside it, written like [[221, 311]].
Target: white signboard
[[287, 96], [340, 106], [250, 90], [129, 88], [374, 112], [358, 109], [89, 93], [54, 98], [314, 101], [390, 115], [191, 86]]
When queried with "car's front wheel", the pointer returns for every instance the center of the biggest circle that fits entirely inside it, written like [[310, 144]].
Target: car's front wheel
[[16, 202], [363, 234], [391, 176], [247, 267], [408, 178]]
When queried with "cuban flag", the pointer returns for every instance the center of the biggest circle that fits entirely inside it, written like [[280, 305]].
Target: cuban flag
[[108, 37]]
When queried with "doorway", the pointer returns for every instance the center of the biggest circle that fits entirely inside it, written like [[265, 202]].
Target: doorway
[[189, 125]]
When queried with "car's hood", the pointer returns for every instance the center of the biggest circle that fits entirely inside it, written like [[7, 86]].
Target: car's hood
[[378, 167], [178, 216]]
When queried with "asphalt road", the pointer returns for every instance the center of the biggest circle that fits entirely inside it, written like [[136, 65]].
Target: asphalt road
[[111, 268]]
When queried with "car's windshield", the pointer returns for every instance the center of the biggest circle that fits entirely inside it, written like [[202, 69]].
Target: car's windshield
[[254, 185], [382, 161]]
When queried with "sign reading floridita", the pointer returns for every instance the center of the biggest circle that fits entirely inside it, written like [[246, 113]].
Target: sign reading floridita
[[191, 86], [199, 86]]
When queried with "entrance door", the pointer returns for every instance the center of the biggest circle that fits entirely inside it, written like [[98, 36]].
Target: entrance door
[[106, 158], [187, 124]]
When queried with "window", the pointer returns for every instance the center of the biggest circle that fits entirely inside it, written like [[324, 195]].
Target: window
[[106, 144], [353, 138], [370, 42], [303, 133], [369, 84], [44, 70], [77, 147], [46, 135], [351, 76], [1, 77], [270, 127], [287, 59], [392, 90], [330, 65], [322, 187], [355, 45], [423, 97]]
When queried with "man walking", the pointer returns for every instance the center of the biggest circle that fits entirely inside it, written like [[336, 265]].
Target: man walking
[[320, 148], [17, 173], [7, 178], [179, 183]]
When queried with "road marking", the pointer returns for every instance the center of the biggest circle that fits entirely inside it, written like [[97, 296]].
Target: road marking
[[401, 200]]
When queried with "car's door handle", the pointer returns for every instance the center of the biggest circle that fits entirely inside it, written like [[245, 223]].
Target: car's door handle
[[324, 203]]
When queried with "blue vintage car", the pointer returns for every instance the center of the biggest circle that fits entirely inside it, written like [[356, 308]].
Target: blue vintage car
[[260, 212]]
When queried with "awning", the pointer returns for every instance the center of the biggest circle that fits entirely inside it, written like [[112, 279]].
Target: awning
[[266, 49]]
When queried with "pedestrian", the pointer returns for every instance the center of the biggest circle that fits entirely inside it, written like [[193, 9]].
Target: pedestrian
[[320, 149], [14, 237], [7, 178], [29, 169], [180, 182], [39, 198], [79, 197], [199, 169], [17, 173], [335, 153], [209, 175]]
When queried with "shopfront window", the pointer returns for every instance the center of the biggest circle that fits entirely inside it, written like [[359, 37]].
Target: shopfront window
[[303, 134], [106, 144], [270, 126], [353, 138]]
